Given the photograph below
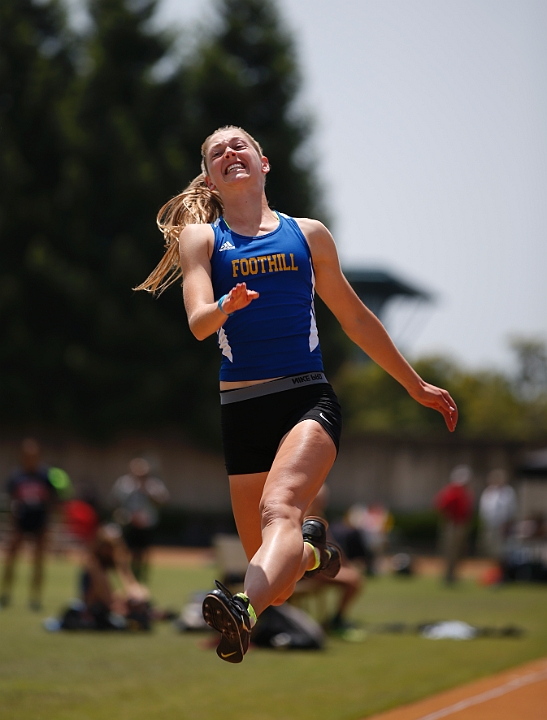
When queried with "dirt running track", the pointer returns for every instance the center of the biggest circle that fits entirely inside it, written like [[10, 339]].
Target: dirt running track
[[517, 694]]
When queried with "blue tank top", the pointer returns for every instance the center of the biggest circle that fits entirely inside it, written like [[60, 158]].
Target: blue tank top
[[276, 334]]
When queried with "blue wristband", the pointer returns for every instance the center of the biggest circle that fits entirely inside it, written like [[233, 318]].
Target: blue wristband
[[221, 300]]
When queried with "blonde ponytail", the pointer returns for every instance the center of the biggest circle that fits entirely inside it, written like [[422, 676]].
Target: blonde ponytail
[[195, 204]]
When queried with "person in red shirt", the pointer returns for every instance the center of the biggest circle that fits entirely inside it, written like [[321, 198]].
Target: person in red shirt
[[455, 505], [82, 520]]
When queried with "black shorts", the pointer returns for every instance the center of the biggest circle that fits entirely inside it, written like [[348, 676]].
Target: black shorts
[[255, 419]]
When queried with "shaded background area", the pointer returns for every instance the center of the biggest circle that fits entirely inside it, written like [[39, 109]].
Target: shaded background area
[[100, 127]]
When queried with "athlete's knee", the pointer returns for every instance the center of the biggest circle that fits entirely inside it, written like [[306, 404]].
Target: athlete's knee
[[273, 509]]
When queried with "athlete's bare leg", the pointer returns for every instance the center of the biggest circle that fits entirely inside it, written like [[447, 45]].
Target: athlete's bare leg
[[269, 509], [246, 493]]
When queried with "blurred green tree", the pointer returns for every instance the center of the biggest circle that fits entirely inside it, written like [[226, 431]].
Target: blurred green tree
[[131, 359], [102, 126], [491, 404], [374, 402], [36, 69], [94, 145], [128, 360]]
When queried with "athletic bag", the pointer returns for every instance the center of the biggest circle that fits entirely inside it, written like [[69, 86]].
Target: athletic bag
[[287, 626]]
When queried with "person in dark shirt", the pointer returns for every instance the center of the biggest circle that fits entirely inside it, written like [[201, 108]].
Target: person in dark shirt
[[32, 492]]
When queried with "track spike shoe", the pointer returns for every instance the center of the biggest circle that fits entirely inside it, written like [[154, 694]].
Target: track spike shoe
[[314, 531], [332, 564], [228, 614]]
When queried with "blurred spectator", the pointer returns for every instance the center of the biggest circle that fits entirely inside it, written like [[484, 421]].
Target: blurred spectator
[[82, 520], [374, 522], [136, 497], [101, 606], [455, 505], [531, 528], [82, 514], [353, 543], [525, 551], [109, 556], [110, 597], [402, 563], [33, 489], [497, 512], [349, 580]]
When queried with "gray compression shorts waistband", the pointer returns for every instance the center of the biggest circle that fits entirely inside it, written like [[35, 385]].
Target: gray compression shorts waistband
[[271, 387]]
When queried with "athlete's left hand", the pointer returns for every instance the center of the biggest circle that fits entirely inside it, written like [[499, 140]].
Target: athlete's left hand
[[437, 399]]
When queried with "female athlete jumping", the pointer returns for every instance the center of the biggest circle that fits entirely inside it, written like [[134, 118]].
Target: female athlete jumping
[[250, 275]]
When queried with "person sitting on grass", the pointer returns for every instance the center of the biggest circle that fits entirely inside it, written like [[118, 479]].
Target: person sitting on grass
[[107, 563], [108, 557]]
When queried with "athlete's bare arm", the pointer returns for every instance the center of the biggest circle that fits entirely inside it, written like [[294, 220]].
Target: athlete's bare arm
[[363, 327], [204, 316]]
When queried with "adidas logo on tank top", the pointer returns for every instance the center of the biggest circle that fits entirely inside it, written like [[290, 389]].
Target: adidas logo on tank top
[[226, 246]]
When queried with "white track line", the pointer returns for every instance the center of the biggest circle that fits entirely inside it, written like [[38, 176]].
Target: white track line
[[488, 695]]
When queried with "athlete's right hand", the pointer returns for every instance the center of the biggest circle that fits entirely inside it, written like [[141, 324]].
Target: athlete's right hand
[[238, 298]]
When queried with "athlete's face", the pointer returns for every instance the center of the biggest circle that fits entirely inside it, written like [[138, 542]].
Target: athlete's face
[[231, 158]]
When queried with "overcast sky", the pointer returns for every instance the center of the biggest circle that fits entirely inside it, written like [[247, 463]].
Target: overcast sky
[[431, 145]]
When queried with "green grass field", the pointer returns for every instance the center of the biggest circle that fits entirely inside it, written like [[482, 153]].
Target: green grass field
[[165, 675]]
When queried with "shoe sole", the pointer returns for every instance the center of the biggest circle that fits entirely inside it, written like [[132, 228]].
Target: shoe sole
[[217, 616]]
